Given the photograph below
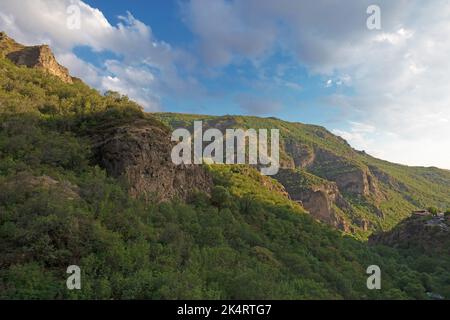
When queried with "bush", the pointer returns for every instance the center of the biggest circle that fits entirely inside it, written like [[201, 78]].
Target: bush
[[433, 210], [220, 197]]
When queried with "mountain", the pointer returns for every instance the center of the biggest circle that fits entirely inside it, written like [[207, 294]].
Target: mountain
[[86, 179], [425, 238], [338, 185], [427, 233], [33, 57]]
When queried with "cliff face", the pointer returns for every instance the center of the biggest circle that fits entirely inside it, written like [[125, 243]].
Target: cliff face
[[428, 234], [321, 198], [350, 178], [40, 57], [302, 155], [140, 153], [348, 191]]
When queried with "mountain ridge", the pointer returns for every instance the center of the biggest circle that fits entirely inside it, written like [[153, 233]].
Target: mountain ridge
[[40, 56], [78, 168], [371, 188]]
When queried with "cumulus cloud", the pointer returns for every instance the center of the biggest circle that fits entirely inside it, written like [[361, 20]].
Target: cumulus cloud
[[322, 34], [398, 75], [390, 85], [39, 21]]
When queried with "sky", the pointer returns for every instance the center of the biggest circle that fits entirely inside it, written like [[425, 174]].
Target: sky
[[385, 90]]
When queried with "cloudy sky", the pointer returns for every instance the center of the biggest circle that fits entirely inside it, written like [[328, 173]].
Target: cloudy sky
[[387, 90]]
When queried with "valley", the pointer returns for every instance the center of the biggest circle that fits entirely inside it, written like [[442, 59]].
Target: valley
[[86, 179]]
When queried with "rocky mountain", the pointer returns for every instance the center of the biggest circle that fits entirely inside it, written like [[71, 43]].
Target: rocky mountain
[[40, 57], [140, 152], [338, 185], [86, 178], [427, 233]]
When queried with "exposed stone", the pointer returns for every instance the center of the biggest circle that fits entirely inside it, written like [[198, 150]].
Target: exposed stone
[[350, 178], [141, 154], [424, 232], [40, 57], [319, 199], [301, 154]]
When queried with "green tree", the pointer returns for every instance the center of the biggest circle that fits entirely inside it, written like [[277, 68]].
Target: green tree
[[220, 197]]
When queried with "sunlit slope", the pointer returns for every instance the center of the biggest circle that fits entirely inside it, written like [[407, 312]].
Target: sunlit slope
[[376, 194]]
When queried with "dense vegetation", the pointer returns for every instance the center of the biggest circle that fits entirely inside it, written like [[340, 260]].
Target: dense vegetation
[[403, 188], [58, 208]]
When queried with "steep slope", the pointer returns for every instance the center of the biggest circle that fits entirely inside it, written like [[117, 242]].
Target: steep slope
[[68, 159], [33, 57], [353, 191], [129, 144], [427, 234], [140, 152], [319, 196], [425, 241]]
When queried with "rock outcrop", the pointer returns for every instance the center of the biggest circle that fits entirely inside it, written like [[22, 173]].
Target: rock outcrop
[[40, 57], [302, 155], [427, 233], [349, 177], [27, 183], [321, 198], [140, 153]]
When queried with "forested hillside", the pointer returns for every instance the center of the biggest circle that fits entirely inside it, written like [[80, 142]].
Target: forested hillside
[[73, 191], [343, 187]]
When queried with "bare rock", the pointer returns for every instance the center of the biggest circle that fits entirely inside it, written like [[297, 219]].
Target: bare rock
[[302, 155], [350, 177], [141, 154], [319, 197], [40, 57]]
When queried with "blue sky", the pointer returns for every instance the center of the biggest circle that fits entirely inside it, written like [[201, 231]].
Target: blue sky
[[233, 85], [385, 90]]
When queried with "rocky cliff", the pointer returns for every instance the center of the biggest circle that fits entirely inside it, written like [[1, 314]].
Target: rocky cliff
[[321, 198], [426, 233], [140, 153], [350, 177], [40, 57], [352, 191]]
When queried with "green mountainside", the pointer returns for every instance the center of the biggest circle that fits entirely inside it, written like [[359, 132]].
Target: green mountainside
[[361, 194], [86, 179]]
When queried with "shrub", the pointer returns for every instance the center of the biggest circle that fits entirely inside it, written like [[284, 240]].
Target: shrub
[[220, 197]]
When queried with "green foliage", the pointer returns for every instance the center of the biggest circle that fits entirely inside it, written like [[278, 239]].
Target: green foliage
[[433, 210], [220, 197], [402, 189], [246, 241]]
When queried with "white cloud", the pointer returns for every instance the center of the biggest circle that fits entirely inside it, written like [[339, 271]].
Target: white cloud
[[45, 21], [398, 75]]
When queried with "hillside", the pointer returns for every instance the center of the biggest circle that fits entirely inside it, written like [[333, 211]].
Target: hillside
[[86, 179], [426, 239], [337, 184]]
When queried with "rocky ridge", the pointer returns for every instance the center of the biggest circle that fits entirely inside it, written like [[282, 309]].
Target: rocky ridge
[[40, 57]]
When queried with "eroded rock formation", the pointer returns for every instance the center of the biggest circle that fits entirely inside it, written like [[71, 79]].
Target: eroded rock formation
[[33, 57], [141, 154]]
